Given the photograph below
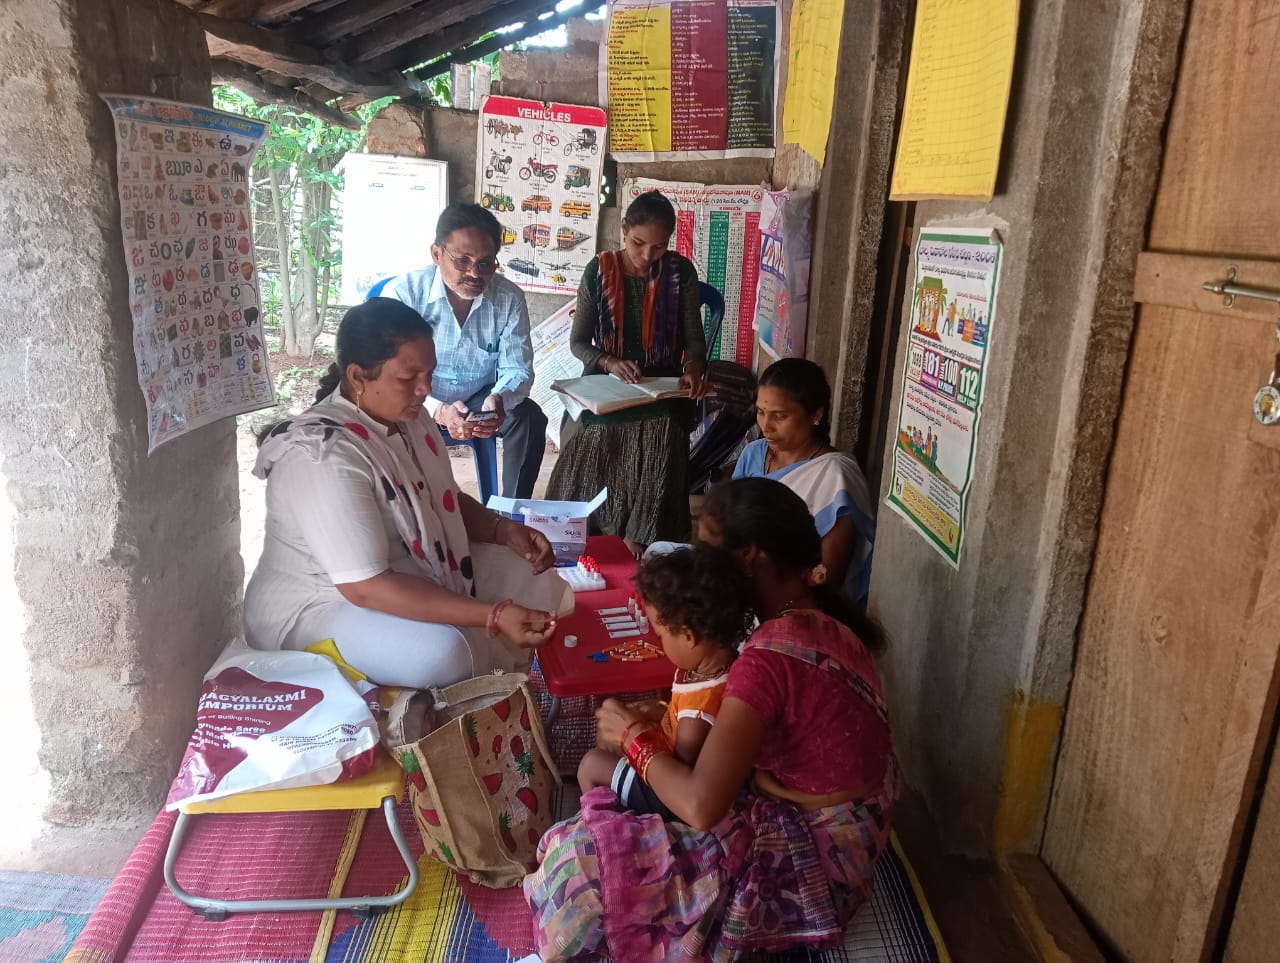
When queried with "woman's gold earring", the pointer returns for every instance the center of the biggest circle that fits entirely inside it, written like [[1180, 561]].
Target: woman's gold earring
[[359, 398]]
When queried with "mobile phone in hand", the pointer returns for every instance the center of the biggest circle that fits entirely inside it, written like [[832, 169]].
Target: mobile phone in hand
[[482, 416]]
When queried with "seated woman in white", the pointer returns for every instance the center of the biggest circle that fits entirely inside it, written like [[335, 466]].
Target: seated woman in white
[[370, 543], [793, 403]]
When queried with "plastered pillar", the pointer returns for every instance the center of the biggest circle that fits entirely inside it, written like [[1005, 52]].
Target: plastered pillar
[[124, 568]]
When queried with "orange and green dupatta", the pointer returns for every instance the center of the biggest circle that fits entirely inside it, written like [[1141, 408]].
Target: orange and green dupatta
[[660, 314]]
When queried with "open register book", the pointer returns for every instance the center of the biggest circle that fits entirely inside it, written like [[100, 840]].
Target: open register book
[[600, 394]]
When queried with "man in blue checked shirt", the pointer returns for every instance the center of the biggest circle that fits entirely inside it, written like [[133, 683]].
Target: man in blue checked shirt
[[480, 320]]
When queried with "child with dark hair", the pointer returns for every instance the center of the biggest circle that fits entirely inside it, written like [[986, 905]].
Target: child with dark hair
[[698, 601]]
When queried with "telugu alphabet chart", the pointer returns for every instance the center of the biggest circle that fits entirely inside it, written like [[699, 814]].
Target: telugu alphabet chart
[[193, 283]]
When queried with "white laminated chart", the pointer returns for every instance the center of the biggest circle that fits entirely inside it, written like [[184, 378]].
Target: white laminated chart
[[385, 202], [193, 280], [718, 229]]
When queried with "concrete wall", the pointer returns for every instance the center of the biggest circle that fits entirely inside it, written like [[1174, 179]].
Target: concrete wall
[[980, 658], [127, 566], [850, 204]]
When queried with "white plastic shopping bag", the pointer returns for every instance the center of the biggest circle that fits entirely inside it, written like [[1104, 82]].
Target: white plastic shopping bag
[[275, 720]]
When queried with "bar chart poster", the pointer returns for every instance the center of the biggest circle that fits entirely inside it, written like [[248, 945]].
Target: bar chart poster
[[718, 229]]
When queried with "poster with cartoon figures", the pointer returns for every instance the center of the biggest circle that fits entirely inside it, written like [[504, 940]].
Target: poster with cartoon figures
[[782, 290], [952, 309], [718, 229], [188, 242], [538, 170]]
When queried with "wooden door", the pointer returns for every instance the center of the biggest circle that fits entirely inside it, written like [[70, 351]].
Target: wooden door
[[1172, 702]]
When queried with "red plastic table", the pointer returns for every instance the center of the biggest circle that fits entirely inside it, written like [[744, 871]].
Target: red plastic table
[[572, 672]]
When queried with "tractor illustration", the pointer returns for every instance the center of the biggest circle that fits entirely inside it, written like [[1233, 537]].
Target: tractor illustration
[[535, 168], [584, 141], [577, 176], [498, 164], [495, 200]]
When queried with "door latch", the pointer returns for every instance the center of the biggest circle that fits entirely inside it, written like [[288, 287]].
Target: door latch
[[1266, 402]]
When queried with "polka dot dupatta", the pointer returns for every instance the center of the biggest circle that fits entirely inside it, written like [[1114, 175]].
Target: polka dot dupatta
[[412, 474]]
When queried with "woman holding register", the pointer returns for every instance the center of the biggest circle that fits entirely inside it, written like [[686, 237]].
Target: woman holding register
[[638, 315]]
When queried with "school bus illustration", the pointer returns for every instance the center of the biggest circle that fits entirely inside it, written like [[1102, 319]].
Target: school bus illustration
[[576, 209]]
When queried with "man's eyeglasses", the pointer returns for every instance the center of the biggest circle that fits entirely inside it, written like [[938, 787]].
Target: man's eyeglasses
[[485, 266]]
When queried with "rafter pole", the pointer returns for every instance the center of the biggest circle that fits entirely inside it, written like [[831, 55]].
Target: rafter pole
[[344, 20], [396, 31], [460, 34], [273, 92], [477, 50], [232, 9], [272, 50]]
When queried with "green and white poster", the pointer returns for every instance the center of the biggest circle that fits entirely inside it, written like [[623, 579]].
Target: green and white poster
[[953, 306]]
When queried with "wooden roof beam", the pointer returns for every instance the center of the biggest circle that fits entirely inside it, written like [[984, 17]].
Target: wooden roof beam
[[272, 91], [460, 34], [276, 11], [272, 50], [475, 51], [232, 9], [259, 11], [394, 32], [344, 19]]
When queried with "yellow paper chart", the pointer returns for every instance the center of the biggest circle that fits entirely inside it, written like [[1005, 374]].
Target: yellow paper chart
[[811, 74], [957, 95], [639, 46]]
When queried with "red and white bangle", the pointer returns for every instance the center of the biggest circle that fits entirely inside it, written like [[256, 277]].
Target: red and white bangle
[[495, 613]]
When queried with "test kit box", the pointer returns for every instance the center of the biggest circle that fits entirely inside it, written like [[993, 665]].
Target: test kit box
[[564, 523]]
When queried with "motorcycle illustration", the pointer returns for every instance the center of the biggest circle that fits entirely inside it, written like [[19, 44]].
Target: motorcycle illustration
[[498, 163], [535, 168]]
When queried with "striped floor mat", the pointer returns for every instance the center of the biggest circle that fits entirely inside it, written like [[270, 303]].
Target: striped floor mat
[[447, 920]]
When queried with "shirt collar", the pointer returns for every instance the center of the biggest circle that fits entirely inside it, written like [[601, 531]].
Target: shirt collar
[[440, 293]]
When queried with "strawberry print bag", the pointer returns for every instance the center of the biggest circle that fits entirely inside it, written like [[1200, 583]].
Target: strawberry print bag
[[481, 778]]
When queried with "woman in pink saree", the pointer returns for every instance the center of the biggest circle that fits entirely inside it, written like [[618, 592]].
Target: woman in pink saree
[[785, 811]]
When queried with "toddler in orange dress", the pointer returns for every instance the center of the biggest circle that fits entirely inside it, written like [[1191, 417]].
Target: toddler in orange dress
[[698, 600]]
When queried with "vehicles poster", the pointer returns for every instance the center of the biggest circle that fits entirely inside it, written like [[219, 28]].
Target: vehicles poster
[[538, 170]]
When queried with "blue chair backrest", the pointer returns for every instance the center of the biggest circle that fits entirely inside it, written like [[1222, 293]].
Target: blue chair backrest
[[713, 301], [376, 290]]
